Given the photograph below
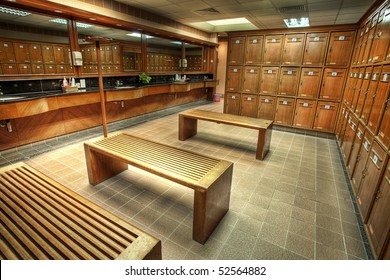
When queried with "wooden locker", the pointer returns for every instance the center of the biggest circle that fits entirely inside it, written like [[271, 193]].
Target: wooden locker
[[375, 77], [266, 107], [315, 49], [48, 54], [284, 110], [37, 68], [382, 38], [22, 52], [249, 105], [102, 54], [36, 53], [378, 224], [374, 168], [59, 54], [364, 91], [108, 55], [24, 68], [305, 110], [309, 82], [10, 68], [116, 54], [355, 149], [365, 30], [358, 88], [349, 137], [288, 83], [326, 114], [50, 69], [356, 59], [361, 160], [332, 83], [233, 103], [378, 106], [236, 50], [251, 79], [340, 48], [341, 123], [269, 80], [293, 49], [273, 49], [384, 129], [234, 78], [7, 53], [350, 87], [369, 43], [254, 50]]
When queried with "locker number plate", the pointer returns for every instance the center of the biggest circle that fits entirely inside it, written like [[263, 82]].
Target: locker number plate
[[327, 107], [341, 38], [316, 39], [334, 74], [305, 104], [285, 102], [375, 159], [266, 100]]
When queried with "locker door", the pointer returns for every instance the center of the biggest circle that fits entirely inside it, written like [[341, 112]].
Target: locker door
[[309, 82], [234, 77], [269, 80], [341, 123], [59, 54], [355, 149], [315, 48], [358, 48], [7, 53], [382, 36], [332, 83], [233, 103], [350, 87], [349, 136], [288, 81], [358, 88], [22, 52], [36, 53], [370, 39], [284, 110], [251, 79], [304, 113], [249, 105], [48, 54], [293, 49], [273, 49], [325, 118], [364, 91], [340, 48], [384, 130], [375, 77], [254, 49], [236, 50], [266, 107]]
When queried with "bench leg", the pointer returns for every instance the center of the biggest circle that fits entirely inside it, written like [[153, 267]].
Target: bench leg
[[211, 206], [188, 127], [263, 142], [101, 167]]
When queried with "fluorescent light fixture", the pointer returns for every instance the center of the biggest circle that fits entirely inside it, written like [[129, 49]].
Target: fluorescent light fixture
[[297, 22], [14, 12], [228, 21], [64, 21], [138, 35], [178, 43]]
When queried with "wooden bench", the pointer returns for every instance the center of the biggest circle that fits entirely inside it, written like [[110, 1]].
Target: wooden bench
[[188, 125], [210, 178], [41, 219]]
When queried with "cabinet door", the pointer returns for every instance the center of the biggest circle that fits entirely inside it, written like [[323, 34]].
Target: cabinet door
[[341, 124], [355, 149], [116, 54], [37, 68], [325, 116], [358, 88], [288, 81], [363, 92], [315, 48], [266, 107], [108, 56], [369, 41], [236, 50], [273, 49], [22, 52], [234, 78], [358, 48], [371, 92], [293, 49], [309, 82], [382, 37], [349, 136], [24, 68], [340, 48], [253, 49], [7, 53], [36, 53], [350, 87], [249, 105], [10, 68], [50, 69], [375, 165], [233, 103], [305, 110], [365, 31], [384, 130], [59, 54], [269, 80], [48, 54], [284, 111], [251, 79], [379, 221], [361, 161], [332, 83], [378, 106]]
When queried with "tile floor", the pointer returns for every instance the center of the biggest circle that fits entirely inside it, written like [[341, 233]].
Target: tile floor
[[295, 204]]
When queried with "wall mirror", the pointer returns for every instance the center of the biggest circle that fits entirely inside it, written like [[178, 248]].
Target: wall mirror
[[163, 55]]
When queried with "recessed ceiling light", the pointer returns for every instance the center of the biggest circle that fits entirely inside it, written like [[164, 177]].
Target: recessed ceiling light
[[14, 12], [138, 35], [297, 22], [228, 21]]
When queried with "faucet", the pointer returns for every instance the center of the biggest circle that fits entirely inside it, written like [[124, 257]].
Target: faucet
[[118, 83]]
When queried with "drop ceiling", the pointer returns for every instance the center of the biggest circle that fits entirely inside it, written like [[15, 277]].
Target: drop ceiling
[[262, 14]]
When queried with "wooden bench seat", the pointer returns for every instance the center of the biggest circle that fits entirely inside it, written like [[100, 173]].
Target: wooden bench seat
[[41, 219], [209, 177], [188, 124]]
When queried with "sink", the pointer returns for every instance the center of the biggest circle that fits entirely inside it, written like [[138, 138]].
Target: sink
[[124, 87]]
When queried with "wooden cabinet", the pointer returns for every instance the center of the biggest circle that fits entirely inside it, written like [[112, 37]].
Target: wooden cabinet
[[369, 42], [254, 50], [384, 129], [315, 48], [340, 48], [234, 78], [374, 168], [309, 82], [233, 103], [284, 110], [326, 114], [361, 160], [10, 68], [22, 52], [50, 68], [382, 38], [249, 105], [36, 53], [48, 54], [37, 68], [341, 124], [357, 90], [349, 136], [293, 49], [378, 224], [7, 53], [251, 79], [266, 107], [273, 49], [363, 91], [378, 106], [304, 113], [236, 50], [371, 93], [332, 83], [59, 54], [350, 87], [355, 149], [288, 81], [116, 55], [356, 60], [269, 80]]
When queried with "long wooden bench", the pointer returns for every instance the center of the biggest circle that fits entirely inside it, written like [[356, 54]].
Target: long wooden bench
[[41, 219], [210, 178], [188, 125]]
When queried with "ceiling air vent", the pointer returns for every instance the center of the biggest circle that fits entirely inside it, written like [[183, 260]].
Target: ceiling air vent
[[206, 12], [292, 9]]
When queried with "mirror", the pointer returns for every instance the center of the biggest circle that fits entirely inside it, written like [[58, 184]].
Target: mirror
[[193, 54], [163, 55]]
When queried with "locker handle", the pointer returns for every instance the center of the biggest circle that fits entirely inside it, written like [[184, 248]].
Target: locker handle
[[378, 194]]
